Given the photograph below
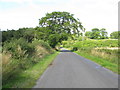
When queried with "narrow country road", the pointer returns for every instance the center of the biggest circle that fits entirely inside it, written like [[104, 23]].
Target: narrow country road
[[70, 70]]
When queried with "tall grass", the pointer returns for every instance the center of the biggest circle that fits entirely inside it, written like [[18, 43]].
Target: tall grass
[[103, 62], [28, 77], [19, 55], [108, 55]]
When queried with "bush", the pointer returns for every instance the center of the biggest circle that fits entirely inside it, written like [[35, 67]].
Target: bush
[[75, 49], [19, 48], [43, 44], [19, 55]]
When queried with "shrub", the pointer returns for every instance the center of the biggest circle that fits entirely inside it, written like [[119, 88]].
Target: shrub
[[19, 55], [43, 44], [75, 49], [19, 48]]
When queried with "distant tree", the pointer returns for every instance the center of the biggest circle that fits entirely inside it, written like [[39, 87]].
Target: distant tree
[[88, 34], [103, 33], [26, 33], [8, 35], [29, 34], [115, 35], [95, 33]]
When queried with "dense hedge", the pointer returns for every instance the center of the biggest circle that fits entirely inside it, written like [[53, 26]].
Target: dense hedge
[[19, 55]]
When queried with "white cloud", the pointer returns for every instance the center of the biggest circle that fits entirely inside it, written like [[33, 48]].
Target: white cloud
[[92, 13]]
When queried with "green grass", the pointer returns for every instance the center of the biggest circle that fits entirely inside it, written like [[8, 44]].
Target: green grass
[[91, 43], [28, 78], [111, 66]]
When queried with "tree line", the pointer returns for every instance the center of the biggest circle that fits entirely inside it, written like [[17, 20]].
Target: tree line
[[53, 29], [96, 33], [56, 27]]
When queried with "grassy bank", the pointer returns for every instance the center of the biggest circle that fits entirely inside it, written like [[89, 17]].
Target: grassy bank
[[103, 62], [27, 78]]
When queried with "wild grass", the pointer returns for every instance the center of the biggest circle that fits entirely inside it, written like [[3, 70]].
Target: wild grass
[[109, 55], [103, 62], [19, 55], [28, 77]]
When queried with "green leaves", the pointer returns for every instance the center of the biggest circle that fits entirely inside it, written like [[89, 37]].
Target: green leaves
[[96, 33], [53, 40], [60, 22], [115, 35], [58, 26]]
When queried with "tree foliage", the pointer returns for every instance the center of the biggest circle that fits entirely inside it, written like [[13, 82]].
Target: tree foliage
[[26, 33], [115, 35], [60, 22], [103, 33], [58, 26], [96, 33], [88, 34]]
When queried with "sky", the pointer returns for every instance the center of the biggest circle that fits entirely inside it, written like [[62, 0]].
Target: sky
[[15, 14]]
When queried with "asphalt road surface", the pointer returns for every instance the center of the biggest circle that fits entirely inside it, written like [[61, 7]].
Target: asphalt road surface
[[70, 70]]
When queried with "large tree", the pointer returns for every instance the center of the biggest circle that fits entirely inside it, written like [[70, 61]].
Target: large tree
[[62, 24]]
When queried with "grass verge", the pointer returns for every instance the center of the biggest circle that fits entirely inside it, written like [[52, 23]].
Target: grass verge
[[28, 78], [111, 66]]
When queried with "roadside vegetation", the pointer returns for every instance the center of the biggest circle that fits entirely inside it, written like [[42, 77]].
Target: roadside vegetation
[[28, 77], [18, 55], [27, 52], [103, 51]]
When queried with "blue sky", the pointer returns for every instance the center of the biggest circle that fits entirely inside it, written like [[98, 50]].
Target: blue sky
[[16, 14]]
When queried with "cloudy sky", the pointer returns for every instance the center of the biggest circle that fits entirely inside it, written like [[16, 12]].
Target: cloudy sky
[[16, 14]]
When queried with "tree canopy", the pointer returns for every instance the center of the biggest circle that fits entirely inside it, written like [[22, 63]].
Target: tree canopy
[[61, 22], [58, 26], [115, 35], [103, 33], [96, 33]]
